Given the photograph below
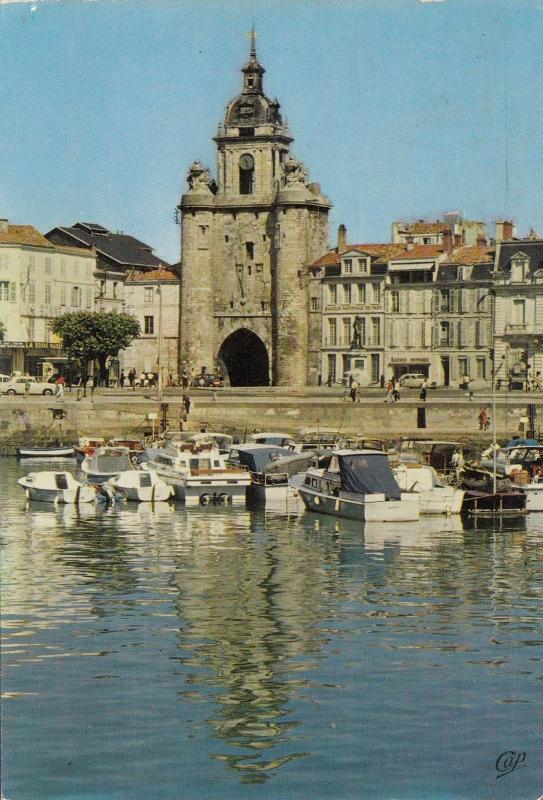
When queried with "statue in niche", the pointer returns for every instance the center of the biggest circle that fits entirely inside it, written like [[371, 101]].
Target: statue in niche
[[358, 330]]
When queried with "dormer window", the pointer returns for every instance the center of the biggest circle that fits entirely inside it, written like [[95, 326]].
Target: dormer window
[[519, 268], [246, 174], [362, 265], [347, 266]]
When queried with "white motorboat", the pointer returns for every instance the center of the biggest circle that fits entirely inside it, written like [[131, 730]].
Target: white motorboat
[[106, 462], [47, 452], [357, 484], [271, 468], [199, 474], [56, 487], [143, 486], [435, 496]]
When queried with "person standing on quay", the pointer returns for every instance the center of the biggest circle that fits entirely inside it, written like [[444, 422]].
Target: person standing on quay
[[122, 379], [352, 390]]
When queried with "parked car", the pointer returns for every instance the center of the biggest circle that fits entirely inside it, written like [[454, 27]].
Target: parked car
[[414, 380], [17, 386], [5, 379]]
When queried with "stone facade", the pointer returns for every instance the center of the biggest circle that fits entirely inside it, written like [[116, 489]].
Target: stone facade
[[387, 309], [38, 281], [247, 239], [153, 298], [518, 293]]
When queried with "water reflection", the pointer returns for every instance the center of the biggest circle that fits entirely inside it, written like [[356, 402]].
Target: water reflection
[[241, 622]]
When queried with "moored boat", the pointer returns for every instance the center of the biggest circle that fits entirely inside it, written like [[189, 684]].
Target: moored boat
[[435, 496], [357, 484], [105, 463], [271, 468], [143, 486], [56, 487], [48, 451], [199, 474]]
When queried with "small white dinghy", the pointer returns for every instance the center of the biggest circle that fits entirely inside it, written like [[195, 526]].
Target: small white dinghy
[[141, 486], [56, 487]]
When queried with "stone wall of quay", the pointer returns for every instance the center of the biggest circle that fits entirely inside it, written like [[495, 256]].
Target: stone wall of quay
[[30, 420]]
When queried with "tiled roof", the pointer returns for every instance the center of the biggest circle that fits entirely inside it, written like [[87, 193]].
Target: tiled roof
[[471, 254], [124, 250], [416, 253], [426, 227], [373, 249], [153, 275], [24, 234]]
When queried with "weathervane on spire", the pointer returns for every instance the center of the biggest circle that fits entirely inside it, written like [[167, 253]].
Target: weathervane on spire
[[252, 37]]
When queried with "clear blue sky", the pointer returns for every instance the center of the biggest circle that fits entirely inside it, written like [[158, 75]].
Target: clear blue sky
[[398, 108]]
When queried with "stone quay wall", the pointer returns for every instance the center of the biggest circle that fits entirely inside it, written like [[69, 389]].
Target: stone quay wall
[[31, 420]]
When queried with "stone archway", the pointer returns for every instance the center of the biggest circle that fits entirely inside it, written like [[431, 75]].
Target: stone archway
[[245, 359]]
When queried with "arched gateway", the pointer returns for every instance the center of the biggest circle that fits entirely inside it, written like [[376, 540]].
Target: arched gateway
[[245, 359]]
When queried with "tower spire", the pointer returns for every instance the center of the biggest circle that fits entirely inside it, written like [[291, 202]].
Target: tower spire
[[253, 42]]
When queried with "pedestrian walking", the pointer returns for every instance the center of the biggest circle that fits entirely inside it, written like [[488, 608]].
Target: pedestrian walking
[[465, 382], [60, 381], [122, 379], [395, 390], [27, 384], [423, 390], [184, 379], [537, 382], [389, 397], [132, 378], [186, 404]]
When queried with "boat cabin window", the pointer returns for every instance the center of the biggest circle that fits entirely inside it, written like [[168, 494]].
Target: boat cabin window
[[308, 481], [200, 463], [164, 460], [61, 481], [145, 479]]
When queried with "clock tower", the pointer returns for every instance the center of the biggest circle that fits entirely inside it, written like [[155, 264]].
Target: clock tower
[[247, 238]]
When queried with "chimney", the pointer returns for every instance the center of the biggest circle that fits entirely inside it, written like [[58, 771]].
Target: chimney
[[409, 243], [3, 225], [448, 241], [341, 238], [481, 240], [458, 240], [505, 230]]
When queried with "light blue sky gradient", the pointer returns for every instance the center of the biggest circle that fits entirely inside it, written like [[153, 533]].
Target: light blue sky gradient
[[399, 108]]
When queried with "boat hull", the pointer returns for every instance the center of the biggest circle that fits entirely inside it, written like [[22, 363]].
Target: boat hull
[[441, 500], [534, 496], [85, 494], [45, 452], [369, 509]]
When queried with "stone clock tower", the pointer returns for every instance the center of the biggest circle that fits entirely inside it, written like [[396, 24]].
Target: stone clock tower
[[246, 240]]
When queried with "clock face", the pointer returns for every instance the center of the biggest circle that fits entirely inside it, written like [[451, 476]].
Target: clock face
[[246, 110], [246, 162]]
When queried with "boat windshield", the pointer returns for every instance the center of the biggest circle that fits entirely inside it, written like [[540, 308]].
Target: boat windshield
[[61, 480]]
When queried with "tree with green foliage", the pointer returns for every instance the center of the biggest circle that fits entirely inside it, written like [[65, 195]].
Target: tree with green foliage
[[94, 335]]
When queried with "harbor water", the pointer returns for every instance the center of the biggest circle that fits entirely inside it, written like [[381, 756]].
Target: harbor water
[[164, 653]]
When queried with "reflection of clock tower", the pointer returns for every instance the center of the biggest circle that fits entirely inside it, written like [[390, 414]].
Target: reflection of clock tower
[[246, 241]]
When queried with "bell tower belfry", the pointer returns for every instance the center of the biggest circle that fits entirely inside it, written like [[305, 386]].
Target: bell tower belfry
[[247, 239]]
